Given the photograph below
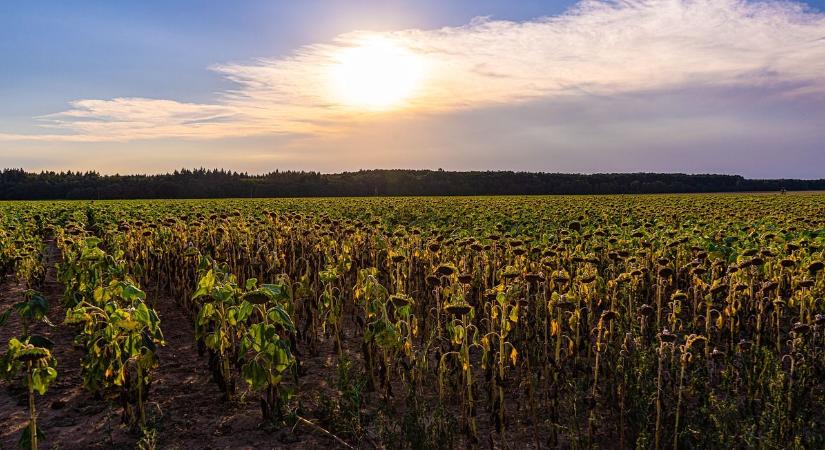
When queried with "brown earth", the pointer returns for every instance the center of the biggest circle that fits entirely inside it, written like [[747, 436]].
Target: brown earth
[[185, 406]]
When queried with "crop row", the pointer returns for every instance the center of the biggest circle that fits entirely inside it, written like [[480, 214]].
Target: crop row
[[681, 321]]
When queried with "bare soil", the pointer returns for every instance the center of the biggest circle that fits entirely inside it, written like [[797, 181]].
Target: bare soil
[[186, 409], [185, 406]]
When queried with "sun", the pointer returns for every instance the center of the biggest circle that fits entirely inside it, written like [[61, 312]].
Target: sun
[[377, 74]]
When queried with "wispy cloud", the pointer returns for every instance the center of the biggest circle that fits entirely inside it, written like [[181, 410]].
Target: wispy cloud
[[122, 119], [598, 48]]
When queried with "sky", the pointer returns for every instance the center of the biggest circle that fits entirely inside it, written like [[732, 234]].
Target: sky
[[694, 86]]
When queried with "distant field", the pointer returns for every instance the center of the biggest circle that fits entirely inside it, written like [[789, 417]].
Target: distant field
[[679, 321]]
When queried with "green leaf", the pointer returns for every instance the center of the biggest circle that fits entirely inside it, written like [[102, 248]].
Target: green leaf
[[281, 317], [92, 254], [232, 316], [212, 341], [141, 314], [256, 376], [206, 313], [514, 314], [205, 285], [244, 311], [92, 242], [278, 291], [132, 292], [42, 377]]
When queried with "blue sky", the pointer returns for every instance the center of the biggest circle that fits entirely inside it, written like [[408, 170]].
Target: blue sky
[[58, 51], [201, 58]]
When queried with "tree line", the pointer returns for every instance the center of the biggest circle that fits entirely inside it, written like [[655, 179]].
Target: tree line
[[18, 184]]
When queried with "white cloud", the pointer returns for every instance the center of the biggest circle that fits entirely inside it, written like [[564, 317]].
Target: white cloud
[[598, 48], [123, 119]]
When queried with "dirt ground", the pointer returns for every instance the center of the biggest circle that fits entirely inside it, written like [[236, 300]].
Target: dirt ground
[[185, 406]]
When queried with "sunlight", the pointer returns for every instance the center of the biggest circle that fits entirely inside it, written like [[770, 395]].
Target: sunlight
[[376, 75]]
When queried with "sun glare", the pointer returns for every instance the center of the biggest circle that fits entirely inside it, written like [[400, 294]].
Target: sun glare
[[376, 75]]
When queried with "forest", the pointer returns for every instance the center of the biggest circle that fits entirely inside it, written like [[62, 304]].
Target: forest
[[18, 184]]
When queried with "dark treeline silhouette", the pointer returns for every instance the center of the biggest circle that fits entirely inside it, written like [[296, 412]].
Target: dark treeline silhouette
[[17, 184]]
